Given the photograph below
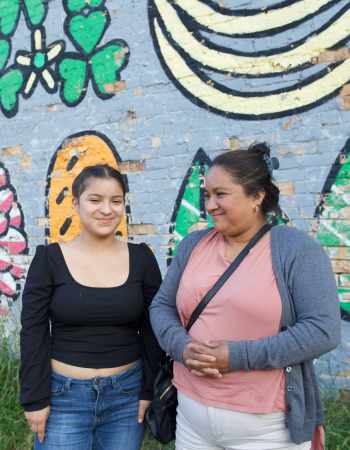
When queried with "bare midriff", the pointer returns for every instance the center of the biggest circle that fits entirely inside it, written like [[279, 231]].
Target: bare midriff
[[85, 373]]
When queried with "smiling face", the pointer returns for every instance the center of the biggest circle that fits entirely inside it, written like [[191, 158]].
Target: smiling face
[[233, 211], [100, 206]]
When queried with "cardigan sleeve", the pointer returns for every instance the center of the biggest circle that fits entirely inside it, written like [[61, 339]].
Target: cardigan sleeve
[[35, 341], [151, 352], [317, 327]]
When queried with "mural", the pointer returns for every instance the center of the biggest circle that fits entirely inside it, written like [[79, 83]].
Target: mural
[[189, 212], [77, 151], [13, 242], [333, 214], [224, 71], [85, 26], [191, 59]]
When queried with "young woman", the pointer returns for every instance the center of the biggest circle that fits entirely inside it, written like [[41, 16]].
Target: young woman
[[244, 373], [88, 351]]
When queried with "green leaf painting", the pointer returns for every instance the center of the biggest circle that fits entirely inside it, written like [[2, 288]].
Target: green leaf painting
[[74, 6], [86, 31], [73, 72], [103, 68], [106, 65], [35, 11], [189, 211], [11, 82], [50, 65], [86, 25], [333, 231], [9, 14]]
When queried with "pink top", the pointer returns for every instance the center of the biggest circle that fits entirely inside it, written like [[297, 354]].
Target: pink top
[[248, 306]]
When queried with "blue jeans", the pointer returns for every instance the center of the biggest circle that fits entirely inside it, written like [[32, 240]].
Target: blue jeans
[[96, 414]]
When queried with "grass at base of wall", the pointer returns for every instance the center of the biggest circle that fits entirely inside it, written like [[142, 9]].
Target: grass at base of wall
[[15, 435], [337, 424]]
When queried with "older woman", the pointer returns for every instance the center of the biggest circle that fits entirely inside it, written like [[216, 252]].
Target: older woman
[[244, 372]]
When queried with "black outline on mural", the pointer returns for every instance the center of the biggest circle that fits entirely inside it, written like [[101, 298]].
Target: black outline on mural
[[203, 159], [224, 89], [21, 229], [270, 52], [53, 162], [326, 189], [3, 38], [251, 12]]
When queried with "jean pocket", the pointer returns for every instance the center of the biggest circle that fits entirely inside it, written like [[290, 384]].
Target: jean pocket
[[131, 385]]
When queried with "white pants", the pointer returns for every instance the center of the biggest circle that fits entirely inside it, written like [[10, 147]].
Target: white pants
[[201, 427]]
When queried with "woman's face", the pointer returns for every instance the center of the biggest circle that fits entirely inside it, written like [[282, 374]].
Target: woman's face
[[100, 206], [232, 210]]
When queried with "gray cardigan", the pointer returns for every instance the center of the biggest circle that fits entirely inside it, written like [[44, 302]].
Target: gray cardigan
[[310, 323]]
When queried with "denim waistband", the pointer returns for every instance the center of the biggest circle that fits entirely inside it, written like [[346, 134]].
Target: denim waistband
[[102, 381]]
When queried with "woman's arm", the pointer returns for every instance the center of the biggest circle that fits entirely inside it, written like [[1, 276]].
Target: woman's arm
[[165, 319], [317, 328], [151, 352], [35, 371]]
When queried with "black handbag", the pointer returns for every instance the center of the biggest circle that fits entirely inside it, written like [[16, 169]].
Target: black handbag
[[161, 414]]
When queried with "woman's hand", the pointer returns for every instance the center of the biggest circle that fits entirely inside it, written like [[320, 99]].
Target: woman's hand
[[209, 359], [37, 421], [143, 405], [200, 360], [220, 350]]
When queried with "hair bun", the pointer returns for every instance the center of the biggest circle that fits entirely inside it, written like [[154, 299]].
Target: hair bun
[[264, 151], [260, 147]]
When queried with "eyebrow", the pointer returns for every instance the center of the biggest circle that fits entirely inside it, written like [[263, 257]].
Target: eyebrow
[[219, 188], [99, 195]]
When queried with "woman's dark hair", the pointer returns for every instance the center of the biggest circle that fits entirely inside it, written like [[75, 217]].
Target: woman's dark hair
[[252, 169], [98, 171]]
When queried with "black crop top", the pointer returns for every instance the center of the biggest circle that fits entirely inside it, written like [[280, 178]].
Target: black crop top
[[85, 326]]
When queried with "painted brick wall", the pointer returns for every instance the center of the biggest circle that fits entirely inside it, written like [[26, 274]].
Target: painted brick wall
[[158, 88]]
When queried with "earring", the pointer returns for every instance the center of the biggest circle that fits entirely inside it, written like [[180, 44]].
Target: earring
[[256, 208]]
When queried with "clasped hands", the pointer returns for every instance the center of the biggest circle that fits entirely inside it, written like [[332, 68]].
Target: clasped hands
[[210, 359]]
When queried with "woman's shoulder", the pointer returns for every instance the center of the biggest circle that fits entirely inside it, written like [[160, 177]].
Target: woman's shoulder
[[193, 238], [293, 239], [46, 250], [141, 249]]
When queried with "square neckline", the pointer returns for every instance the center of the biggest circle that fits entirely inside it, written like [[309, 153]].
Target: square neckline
[[61, 255]]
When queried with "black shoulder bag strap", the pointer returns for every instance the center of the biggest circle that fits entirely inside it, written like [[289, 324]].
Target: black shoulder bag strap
[[226, 275]]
